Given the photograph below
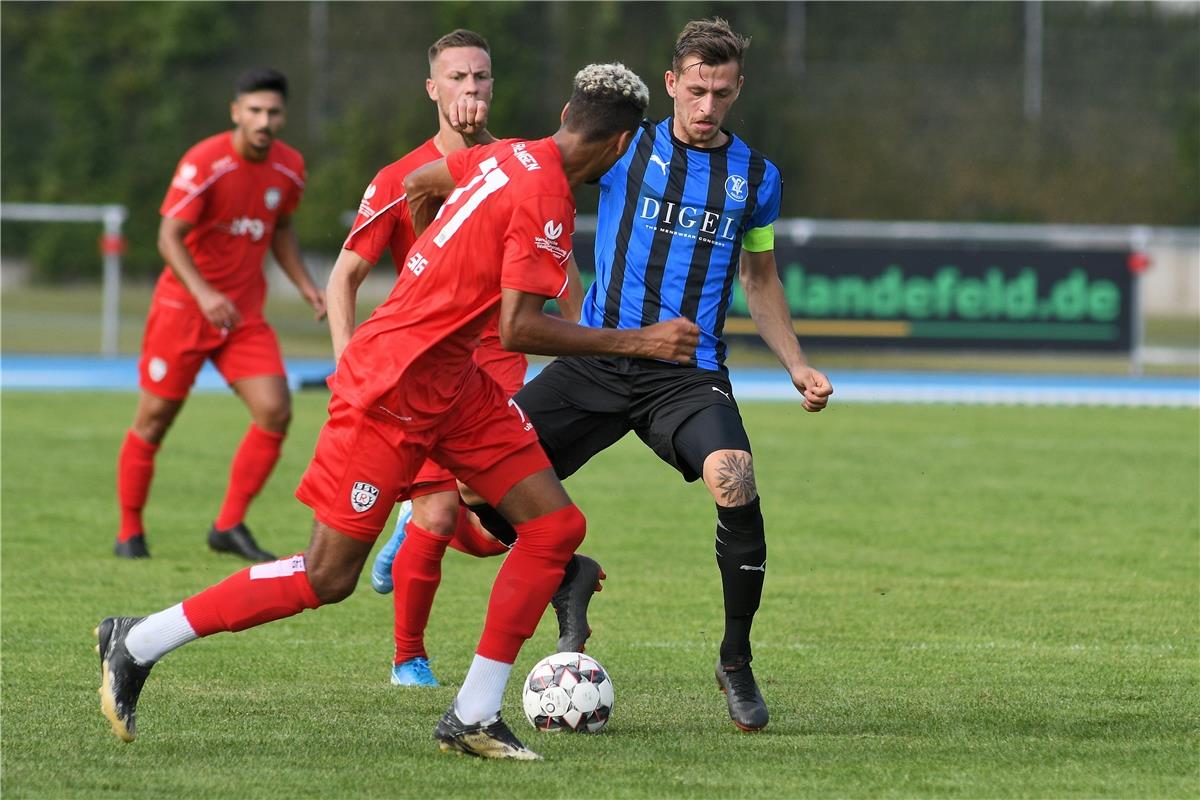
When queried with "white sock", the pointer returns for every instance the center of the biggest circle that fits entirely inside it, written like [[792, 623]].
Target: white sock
[[482, 690], [159, 634]]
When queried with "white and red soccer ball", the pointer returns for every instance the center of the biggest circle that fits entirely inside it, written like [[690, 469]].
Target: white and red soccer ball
[[568, 692]]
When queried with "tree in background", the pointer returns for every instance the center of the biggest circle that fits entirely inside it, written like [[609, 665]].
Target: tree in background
[[871, 110]]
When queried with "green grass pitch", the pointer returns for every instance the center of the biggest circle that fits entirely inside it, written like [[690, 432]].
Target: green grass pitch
[[960, 602]]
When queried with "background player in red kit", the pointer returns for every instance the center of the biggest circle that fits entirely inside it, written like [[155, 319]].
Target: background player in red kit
[[231, 198], [460, 83], [407, 388]]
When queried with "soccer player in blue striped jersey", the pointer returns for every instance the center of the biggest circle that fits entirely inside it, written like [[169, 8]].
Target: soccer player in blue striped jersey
[[689, 207]]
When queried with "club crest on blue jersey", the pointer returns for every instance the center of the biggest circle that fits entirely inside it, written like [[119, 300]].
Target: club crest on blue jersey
[[735, 187]]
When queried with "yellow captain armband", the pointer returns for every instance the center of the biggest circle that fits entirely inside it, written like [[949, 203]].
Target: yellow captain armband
[[759, 240]]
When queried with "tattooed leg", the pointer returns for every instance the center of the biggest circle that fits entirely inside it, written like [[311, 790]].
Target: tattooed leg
[[729, 475], [740, 545]]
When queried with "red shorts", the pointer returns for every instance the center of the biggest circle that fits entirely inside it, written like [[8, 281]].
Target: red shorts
[[366, 460], [508, 369], [178, 340]]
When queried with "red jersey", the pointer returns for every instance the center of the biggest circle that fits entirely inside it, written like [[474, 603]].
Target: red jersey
[[384, 221], [508, 224], [233, 205]]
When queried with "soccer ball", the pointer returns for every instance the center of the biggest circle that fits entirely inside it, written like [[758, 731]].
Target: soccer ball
[[568, 692]]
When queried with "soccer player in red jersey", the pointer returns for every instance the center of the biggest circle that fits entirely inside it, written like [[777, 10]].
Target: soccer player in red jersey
[[407, 388], [460, 84], [232, 197]]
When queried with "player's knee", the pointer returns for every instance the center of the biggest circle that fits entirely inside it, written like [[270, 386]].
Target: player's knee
[[275, 419], [329, 584], [152, 422], [572, 528], [151, 430], [557, 534], [436, 517], [729, 476]]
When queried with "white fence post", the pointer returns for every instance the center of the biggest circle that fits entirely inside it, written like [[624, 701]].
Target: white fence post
[[112, 244]]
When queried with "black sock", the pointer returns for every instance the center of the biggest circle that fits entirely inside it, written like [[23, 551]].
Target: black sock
[[742, 559], [494, 523]]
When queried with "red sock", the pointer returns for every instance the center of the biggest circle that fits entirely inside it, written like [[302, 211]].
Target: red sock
[[471, 540], [416, 573], [135, 469], [528, 579], [252, 465], [257, 594]]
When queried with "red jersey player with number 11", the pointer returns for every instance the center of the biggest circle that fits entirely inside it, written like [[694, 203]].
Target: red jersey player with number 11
[[435, 518], [407, 388]]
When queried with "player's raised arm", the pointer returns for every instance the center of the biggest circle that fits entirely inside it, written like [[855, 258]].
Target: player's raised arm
[[769, 310], [524, 327], [425, 189]]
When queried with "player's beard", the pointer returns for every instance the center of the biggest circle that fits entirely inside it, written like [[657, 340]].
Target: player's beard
[[266, 145]]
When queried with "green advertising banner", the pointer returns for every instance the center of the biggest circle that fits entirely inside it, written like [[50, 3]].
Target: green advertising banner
[[956, 297], [948, 297]]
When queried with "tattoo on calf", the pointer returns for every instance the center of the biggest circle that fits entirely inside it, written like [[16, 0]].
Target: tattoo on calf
[[735, 480]]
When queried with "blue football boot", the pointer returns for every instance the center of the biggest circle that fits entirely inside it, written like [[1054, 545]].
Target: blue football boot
[[414, 672]]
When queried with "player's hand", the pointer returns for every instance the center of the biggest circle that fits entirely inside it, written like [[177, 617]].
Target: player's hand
[[316, 299], [468, 115], [219, 310], [672, 340], [814, 386]]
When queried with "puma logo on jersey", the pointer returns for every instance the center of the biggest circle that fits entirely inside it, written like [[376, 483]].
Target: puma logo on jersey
[[654, 159], [750, 568], [727, 397]]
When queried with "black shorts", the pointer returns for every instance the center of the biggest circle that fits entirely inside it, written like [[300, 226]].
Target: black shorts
[[582, 405]]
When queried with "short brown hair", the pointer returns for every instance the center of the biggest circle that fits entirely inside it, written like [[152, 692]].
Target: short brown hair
[[460, 37], [712, 41]]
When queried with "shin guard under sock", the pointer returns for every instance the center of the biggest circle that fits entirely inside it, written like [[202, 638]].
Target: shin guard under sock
[[257, 594], [529, 577], [135, 470], [248, 473], [416, 574], [742, 559]]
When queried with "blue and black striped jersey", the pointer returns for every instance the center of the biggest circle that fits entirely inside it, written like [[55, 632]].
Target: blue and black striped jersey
[[669, 233]]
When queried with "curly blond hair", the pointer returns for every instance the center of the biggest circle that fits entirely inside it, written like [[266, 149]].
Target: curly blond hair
[[606, 99]]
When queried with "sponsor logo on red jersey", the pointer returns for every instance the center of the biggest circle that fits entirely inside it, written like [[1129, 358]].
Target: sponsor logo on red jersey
[[416, 263], [248, 226], [549, 242], [364, 205], [184, 179]]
